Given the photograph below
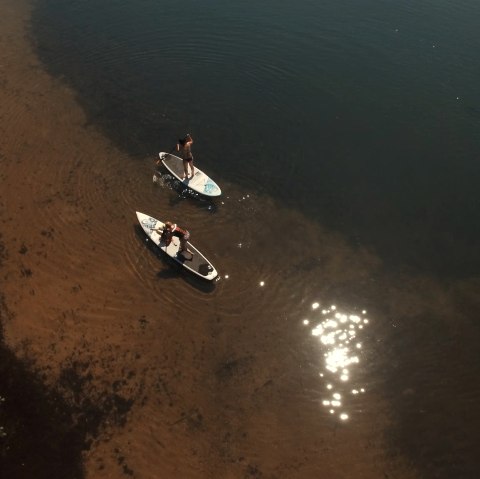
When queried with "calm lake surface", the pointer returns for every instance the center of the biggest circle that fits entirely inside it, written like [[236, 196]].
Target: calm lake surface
[[345, 136], [364, 115]]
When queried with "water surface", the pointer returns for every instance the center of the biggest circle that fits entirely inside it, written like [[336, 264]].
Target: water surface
[[364, 115], [341, 339]]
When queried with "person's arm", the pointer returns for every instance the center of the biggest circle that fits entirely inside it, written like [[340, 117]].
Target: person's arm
[[165, 236]]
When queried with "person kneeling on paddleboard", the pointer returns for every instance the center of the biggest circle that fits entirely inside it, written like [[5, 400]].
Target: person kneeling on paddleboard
[[170, 230], [185, 145]]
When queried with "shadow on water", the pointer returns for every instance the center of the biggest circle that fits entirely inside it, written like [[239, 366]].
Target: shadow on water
[[181, 193], [174, 271], [44, 431], [36, 423]]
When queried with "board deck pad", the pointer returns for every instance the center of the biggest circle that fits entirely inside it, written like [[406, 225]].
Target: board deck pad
[[197, 263], [200, 182]]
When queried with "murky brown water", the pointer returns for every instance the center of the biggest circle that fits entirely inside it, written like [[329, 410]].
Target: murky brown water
[[305, 360]]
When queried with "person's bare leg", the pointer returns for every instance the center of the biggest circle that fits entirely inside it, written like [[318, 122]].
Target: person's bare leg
[[184, 249]]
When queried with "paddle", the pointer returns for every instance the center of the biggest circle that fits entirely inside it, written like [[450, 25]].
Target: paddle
[[166, 154], [159, 160]]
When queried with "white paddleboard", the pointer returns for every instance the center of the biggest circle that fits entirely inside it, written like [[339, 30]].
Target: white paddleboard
[[197, 264], [200, 182]]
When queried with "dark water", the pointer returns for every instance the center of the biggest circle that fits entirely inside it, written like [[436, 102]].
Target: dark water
[[365, 115]]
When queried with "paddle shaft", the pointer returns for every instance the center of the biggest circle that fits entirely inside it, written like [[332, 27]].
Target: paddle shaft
[[169, 153]]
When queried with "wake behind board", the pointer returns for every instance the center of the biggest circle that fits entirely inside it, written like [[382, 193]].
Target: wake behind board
[[200, 182], [197, 264]]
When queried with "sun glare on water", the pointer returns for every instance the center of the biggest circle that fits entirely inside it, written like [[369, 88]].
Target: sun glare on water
[[339, 340]]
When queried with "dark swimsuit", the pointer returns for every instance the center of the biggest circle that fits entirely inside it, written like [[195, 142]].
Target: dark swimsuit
[[187, 153]]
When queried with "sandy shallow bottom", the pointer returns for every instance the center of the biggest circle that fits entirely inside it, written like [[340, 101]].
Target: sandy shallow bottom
[[114, 364]]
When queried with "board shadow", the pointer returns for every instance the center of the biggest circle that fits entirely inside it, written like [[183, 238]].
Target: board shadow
[[183, 192]]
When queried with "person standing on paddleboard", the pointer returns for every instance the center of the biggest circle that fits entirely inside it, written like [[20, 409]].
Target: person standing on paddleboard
[[185, 146], [170, 230]]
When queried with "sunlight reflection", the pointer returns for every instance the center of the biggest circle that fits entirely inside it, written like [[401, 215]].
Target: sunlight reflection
[[338, 333]]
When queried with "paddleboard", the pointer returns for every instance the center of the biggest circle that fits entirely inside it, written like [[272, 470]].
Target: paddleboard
[[200, 182], [197, 263]]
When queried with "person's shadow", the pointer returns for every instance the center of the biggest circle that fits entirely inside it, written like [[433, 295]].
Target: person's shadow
[[181, 192]]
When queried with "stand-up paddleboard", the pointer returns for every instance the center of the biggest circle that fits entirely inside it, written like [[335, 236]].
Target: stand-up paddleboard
[[200, 182], [197, 263]]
